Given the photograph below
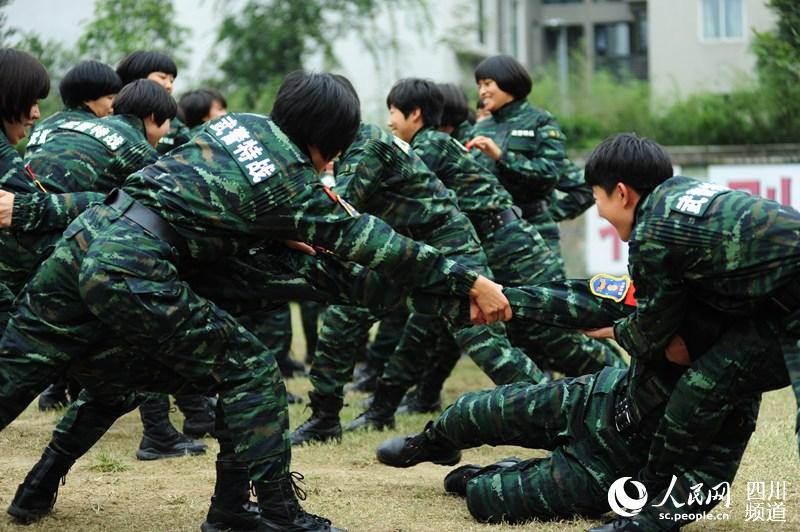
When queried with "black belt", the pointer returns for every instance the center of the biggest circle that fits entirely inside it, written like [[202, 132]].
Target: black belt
[[533, 208], [488, 224], [625, 420], [147, 220]]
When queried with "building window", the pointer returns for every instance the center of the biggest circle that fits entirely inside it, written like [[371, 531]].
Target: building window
[[722, 19]]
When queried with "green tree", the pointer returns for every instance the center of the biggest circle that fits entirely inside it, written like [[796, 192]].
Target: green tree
[[269, 38], [120, 27], [778, 54]]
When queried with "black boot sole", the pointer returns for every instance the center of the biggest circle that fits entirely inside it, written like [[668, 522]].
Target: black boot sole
[[221, 527], [155, 454], [26, 517]]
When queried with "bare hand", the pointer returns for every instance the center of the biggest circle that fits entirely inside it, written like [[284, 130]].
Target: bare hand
[[486, 145], [6, 208], [601, 333], [490, 300], [300, 246], [476, 317], [677, 352]]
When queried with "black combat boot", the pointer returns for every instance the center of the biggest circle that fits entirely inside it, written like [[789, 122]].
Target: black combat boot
[[54, 397], [456, 480], [291, 368], [407, 451], [231, 509], [281, 511], [364, 377], [160, 438], [199, 415], [427, 397], [36, 496], [323, 425], [380, 414]]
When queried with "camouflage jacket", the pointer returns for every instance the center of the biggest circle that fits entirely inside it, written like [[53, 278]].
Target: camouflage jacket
[[575, 304], [177, 135], [533, 150], [242, 180], [573, 196], [43, 127], [463, 132], [91, 155], [478, 191], [35, 210], [381, 175], [728, 249]]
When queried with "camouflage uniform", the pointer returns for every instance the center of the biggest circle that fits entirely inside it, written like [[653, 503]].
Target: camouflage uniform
[[532, 162], [43, 127], [597, 426], [379, 174], [46, 215], [517, 255], [573, 196], [737, 253], [92, 154], [178, 135], [79, 153], [111, 285]]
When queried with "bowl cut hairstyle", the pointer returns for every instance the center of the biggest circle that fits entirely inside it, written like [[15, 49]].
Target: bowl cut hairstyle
[[24, 81], [144, 97], [508, 73], [638, 162], [86, 81], [195, 105], [140, 64], [415, 93], [317, 109], [456, 106]]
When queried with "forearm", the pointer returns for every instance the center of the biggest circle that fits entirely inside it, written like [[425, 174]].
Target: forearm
[[44, 212], [567, 303]]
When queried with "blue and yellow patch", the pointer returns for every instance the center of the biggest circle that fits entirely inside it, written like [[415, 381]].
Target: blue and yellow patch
[[610, 286]]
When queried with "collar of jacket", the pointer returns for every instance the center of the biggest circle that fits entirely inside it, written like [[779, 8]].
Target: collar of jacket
[[509, 110], [135, 122]]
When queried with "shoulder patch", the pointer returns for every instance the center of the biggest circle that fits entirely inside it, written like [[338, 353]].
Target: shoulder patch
[[696, 200], [403, 145], [39, 137], [611, 287], [111, 139], [244, 148]]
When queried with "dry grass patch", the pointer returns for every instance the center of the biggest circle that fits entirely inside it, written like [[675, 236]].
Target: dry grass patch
[[110, 490]]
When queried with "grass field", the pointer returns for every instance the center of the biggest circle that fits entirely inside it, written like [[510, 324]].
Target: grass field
[[110, 490]]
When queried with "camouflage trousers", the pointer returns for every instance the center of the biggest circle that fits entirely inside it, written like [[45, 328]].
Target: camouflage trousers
[[572, 418], [517, 256], [488, 346], [747, 359], [110, 306]]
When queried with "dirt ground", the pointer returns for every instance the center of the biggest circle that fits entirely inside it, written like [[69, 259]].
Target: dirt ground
[[110, 490]]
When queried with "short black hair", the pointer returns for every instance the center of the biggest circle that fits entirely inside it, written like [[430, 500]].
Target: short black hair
[[144, 97], [317, 109], [412, 93], [23, 83], [140, 64], [508, 73], [196, 104], [86, 81], [456, 106], [638, 162]]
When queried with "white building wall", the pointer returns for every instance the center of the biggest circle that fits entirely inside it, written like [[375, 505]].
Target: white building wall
[[682, 62]]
